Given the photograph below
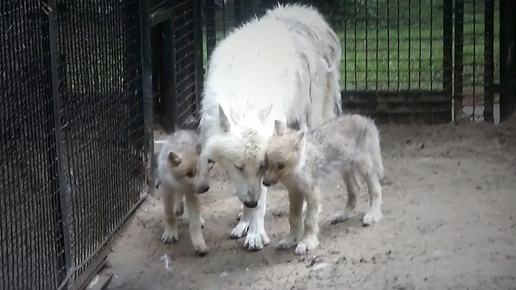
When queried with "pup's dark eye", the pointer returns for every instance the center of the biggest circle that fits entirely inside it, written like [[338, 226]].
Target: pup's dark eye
[[210, 161], [239, 168], [189, 174], [280, 166], [262, 167]]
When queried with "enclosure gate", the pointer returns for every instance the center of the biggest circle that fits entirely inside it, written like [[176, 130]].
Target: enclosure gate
[[403, 61], [177, 64], [75, 137]]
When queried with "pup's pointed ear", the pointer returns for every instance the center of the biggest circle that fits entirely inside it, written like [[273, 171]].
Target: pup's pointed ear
[[227, 118], [299, 138], [264, 114], [174, 159], [198, 148], [279, 127]]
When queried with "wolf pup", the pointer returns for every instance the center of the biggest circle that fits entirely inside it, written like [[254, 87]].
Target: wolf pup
[[176, 171], [348, 145]]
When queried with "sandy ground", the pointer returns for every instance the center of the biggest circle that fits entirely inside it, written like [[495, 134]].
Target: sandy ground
[[449, 223]]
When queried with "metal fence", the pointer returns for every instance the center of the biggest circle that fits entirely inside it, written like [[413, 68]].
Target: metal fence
[[75, 142], [403, 61]]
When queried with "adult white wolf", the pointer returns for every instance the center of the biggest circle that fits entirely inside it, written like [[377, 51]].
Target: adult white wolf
[[285, 66]]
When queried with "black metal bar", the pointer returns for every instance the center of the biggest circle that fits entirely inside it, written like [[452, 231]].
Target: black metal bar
[[488, 60], [237, 7], [53, 152], [136, 127], [448, 47], [199, 67], [146, 79], [507, 57], [160, 16], [64, 223], [458, 68], [211, 29], [167, 75]]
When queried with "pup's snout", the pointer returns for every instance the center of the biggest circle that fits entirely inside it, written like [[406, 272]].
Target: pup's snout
[[202, 188], [268, 182], [250, 204]]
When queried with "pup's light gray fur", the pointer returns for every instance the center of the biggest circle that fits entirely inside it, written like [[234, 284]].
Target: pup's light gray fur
[[176, 170], [348, 145]]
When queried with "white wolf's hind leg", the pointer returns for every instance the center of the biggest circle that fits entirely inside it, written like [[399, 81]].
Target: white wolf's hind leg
[[256, 237]]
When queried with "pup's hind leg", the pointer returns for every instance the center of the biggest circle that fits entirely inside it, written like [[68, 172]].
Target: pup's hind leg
[[310, 239], [353, 188], [196, 221], [170, 219], [374, 214], [295, 220]]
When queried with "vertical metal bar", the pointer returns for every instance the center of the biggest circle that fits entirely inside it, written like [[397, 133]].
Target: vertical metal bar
[[458, 73], [64, 223], [132, 95], [237, 8], [507, 58], [53, 153], [168, 73], [488, 60], [199, 52], [448, 47], [211, 29], [146, 79]]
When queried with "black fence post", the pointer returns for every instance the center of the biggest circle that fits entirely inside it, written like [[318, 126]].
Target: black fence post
[[163, 60], [146, 79], [448, 47], [210, 26], [199, 53], [238, 12], [63, 261], [63, 214], [488, 60], [458, 68], [507, 58]]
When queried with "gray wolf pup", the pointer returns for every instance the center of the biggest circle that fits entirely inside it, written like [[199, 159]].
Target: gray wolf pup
[[348, 145], [176, 171]]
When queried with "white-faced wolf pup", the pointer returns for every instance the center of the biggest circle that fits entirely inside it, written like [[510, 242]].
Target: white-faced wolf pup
[[348, 145], [176, 170]]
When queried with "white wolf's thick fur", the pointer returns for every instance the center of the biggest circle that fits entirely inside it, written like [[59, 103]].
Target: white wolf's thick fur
[[176, 169], [348, 145], [283, 66]]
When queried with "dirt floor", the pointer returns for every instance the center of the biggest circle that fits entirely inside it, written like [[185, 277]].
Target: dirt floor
[[449, 223]]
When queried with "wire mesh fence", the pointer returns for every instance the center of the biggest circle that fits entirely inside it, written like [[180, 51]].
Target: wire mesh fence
[[403, 61], [30, 233], [73, 145]]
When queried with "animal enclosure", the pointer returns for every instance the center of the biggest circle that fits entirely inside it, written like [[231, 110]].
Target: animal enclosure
[[83, 84]]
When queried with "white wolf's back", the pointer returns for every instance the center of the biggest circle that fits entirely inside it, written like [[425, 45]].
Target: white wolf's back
[[253, 67]]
